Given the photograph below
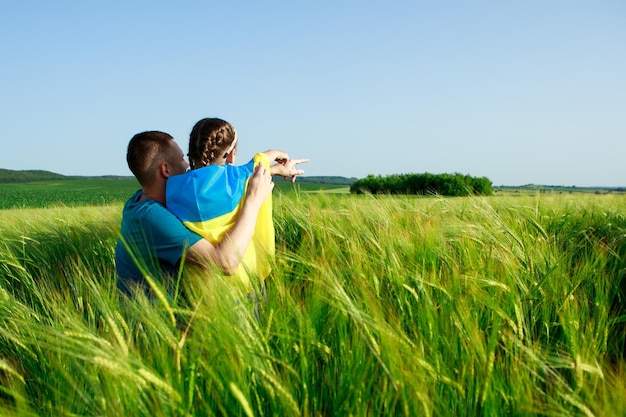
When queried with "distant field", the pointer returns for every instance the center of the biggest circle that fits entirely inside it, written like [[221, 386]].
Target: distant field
[[83, 192], [65, 193], [104, 191], [553, 189]]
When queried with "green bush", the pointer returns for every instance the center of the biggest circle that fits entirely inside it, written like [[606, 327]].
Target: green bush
[[451, 185]]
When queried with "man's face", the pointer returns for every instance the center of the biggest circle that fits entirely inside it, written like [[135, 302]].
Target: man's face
[[179, 163]]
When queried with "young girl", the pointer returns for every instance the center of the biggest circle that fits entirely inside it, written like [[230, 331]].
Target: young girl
[[208, 198]]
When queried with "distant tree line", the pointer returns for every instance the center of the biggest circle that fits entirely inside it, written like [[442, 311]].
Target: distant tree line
[[8, 176], [11, 176], [424, 184]]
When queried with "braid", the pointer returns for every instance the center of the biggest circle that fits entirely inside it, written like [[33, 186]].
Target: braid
[[208, 140]]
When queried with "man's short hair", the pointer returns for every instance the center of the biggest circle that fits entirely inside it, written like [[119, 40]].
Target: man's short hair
[[146, 151]]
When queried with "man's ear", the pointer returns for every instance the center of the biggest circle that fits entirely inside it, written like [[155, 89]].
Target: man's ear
[[164, 170]]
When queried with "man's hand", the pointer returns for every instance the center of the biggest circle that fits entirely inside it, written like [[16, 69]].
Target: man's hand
[[260, 185]]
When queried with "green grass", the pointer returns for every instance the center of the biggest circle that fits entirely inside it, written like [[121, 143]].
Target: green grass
[[82, 192], [67, 193], [376, 306]]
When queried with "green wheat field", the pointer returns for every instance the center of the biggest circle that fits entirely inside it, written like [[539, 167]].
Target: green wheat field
[[377, 306]]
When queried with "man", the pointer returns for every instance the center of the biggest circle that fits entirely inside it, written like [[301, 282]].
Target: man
[[152, 240]]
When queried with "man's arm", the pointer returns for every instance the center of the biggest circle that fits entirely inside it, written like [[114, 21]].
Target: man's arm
[[228, 252]]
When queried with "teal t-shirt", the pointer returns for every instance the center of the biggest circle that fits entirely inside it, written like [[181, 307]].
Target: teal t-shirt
[[151, 236]]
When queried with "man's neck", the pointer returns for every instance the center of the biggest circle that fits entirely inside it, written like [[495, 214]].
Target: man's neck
[[153, 193]]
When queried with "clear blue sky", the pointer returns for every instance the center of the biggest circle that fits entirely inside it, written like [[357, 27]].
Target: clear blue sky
[[520, 92]]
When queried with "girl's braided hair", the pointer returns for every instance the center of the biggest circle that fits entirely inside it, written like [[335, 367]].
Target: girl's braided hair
[[209, 139]]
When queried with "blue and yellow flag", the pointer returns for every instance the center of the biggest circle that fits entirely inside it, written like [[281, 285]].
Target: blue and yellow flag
[[208, 200]]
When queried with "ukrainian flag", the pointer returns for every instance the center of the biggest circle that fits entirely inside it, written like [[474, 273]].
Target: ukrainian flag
[[208, 200]]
